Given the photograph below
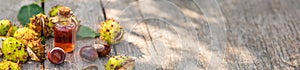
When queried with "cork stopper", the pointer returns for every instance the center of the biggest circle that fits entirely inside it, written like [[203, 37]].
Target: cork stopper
[[64, 11]]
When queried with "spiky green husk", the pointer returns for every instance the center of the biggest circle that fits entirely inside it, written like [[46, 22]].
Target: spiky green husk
[[40, 23], [11, 31], [38, 48], [110, 30], [14, 50], [8, 65], [116, 62], [26, 35], [48, 28], [4, 26], [54, 10], [31, 39]]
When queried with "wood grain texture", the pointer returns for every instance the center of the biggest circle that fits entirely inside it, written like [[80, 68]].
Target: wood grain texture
[[187, 34], [262, 34], [161, 34]]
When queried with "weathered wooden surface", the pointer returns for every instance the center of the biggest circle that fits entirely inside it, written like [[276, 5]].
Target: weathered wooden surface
[[262, 34], [187, 34], [159, 34]]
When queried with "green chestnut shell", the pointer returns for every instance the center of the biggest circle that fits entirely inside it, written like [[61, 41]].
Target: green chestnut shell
[[11, 31], [40, 23], [38, 49], [111, 31], [54, 10], [4, 27], [8, 65], [26, 35], [31, 39], [14, 50], [120, 62]]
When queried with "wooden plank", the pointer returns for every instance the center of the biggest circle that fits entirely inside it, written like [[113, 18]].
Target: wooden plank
[[159, 34], [262, 34], [10, 9], [206, 29], [90, 14], [214, 17], [187, 35]]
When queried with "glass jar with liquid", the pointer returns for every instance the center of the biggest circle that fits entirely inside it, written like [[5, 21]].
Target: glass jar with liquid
[[65, 30]]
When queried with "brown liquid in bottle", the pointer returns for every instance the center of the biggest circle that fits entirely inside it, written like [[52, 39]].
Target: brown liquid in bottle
[[65, 31], [65, 38]]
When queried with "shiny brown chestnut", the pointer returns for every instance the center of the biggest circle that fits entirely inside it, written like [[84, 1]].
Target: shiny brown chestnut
[[56, 55], [88, 53], [102, 49]]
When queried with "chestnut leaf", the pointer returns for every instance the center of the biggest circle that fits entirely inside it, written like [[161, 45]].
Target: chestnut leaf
[[27, 11], [86, 32]]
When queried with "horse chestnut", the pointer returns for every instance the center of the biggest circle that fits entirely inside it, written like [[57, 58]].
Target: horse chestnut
[[102, 50], [89, 53], [56, 55]]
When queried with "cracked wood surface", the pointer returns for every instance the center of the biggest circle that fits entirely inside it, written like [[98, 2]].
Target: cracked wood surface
[[187, 34]]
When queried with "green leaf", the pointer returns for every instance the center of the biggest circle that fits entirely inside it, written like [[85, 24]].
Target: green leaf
[[27, 11], [86, 32]]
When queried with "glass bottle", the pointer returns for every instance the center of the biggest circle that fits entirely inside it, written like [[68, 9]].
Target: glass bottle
[[65, 30]]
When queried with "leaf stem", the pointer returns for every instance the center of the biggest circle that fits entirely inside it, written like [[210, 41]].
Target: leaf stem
[[43, 4]]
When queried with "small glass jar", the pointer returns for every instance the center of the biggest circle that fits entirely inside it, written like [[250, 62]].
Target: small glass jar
[[65, 30]]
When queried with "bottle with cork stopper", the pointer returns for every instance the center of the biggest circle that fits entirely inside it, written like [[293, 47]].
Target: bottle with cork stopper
[[65, 29]]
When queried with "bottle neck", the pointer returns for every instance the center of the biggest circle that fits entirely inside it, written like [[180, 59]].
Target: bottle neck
[[64, 19]]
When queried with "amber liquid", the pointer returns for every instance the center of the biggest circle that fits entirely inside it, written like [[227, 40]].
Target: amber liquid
[[65, 38]]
